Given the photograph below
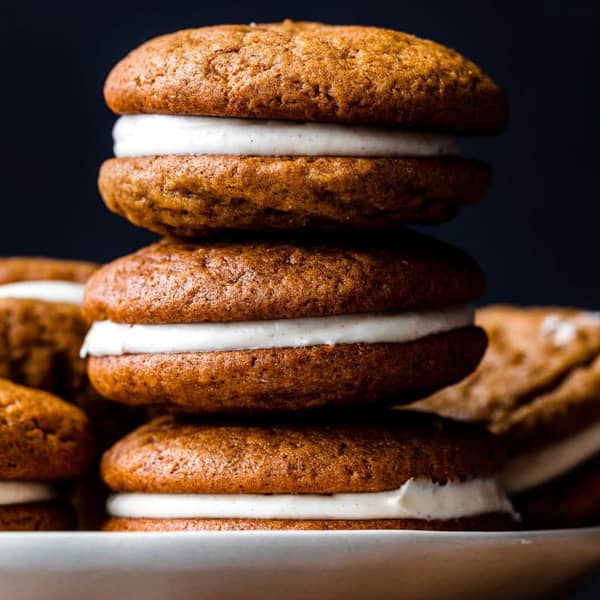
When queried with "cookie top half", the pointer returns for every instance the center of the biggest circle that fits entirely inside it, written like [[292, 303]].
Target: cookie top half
[[178, 282], [18, 268], [296, 456], [42, 438], [308, 72]]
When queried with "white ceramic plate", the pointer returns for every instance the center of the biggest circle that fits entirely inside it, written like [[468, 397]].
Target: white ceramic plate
[[341, 564]]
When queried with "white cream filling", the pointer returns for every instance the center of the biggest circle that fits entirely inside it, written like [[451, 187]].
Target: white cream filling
[[22, 492], [549, 462], [415, 499], [49, 291], [147, 135], [107, 338]]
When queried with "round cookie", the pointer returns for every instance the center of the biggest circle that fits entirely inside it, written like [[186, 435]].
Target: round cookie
[[286, 325], [538, 390], [194, 195], [308, 72], [290, 126], [41, 333], [41, 327], [261, 475], [42, 440]]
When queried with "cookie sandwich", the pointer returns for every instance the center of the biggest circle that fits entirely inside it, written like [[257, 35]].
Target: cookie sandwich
[[271, 325], [538, 390], [41, 327], [291, 125], [43, 441], [384, 471]]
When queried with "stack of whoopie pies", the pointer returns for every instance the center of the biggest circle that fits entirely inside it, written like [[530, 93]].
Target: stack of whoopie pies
[[289, 306], [42, 439]]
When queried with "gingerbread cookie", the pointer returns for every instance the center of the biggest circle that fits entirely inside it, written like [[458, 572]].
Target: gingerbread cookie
[[384, 471], [43, 440], [294, 125], [538, 389], [262, 325]]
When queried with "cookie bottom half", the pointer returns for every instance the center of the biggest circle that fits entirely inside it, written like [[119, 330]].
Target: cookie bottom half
[[192, 196], [284, 379], [487, 522], [38, 516]]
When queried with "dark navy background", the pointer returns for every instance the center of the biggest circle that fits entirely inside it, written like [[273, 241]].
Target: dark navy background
[[536, 234]]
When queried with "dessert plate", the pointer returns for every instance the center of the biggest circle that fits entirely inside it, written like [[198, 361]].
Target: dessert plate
[[278, 564]]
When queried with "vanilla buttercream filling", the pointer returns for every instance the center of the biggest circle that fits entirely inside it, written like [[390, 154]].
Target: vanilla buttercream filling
[[24, 492], [544, 464], [415, 499], [148, 135], [107, 338], [49, 291]]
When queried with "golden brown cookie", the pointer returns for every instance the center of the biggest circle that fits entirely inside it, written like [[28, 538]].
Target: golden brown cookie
[[538, 389], [288, 379], [43, 440], [40, 342], [193, 195], [39, 339], [251, 284], [308, 72], [249, 280], [299, 72], [541, 368], [352, 454], [39, 345]]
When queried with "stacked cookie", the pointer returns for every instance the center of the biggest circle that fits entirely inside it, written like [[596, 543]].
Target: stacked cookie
[[41, 332], [43, 442], [289, 157], [41, 326], [538, 391]]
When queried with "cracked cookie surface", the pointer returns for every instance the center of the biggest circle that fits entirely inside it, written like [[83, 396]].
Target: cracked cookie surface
[[42, 438], [349, 453], [257, 279], [308, 72], [297, 455], [40, 340], [262, 280], [196, 195]]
